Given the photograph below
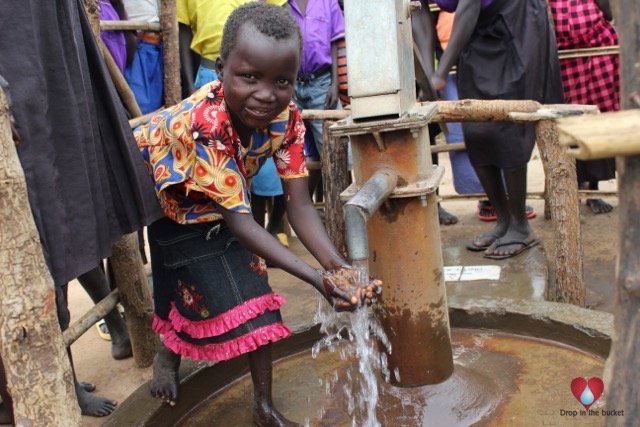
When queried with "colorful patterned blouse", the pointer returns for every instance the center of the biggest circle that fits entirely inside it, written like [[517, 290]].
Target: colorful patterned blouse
[[198, 162]]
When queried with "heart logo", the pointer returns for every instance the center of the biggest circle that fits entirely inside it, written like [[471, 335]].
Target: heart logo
[[587, 392]]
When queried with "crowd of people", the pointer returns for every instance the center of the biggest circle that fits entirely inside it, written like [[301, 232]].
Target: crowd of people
[[234, 150]]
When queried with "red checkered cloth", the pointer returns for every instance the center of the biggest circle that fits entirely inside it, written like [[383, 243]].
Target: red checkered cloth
[[594, 80]]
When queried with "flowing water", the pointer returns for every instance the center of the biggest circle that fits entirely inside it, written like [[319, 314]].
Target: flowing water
[[355, 334]]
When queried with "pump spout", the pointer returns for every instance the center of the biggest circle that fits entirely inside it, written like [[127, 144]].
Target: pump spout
[[359, 209]]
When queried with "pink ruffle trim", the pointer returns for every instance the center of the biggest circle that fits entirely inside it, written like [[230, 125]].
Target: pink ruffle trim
[[227, 321], [161, 326], [228, 349]]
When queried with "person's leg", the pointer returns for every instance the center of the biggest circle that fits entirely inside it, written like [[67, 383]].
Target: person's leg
[[264, 413], [95, 284], [444, 217], [519, 234], [165, 381], [491, 180], [597, 206], [276, 216], [91, 405], [258, 208], [6, 410]]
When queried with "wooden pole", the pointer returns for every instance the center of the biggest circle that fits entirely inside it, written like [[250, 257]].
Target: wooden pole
[[125, 92], [129, 25], [97, 312], [126, 95], [335, 170], [170, 52], [562, 186], [36, 362], [136, 297], [624, 385]]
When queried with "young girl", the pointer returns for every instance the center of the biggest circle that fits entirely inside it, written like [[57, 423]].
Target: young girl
[[212, 297]]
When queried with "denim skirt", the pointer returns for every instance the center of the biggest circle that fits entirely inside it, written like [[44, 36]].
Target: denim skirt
[[212, 296]]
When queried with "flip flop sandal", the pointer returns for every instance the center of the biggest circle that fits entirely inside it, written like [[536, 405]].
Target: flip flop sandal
[[527, 245], [103, 330], [486, 213], [475, 248]]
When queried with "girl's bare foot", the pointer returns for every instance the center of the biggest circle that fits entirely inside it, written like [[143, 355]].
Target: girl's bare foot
[[164, 384]]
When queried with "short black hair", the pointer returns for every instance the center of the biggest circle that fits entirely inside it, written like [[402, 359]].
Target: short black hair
[[269, 19]]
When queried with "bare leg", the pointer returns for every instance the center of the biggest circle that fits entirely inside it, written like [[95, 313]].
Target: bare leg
[[264, 413], [165, 382], [518, 229], [6, 410], [491, 180], [96, 285], [93, 406], [259, 208], [276, 215], [597, 206]]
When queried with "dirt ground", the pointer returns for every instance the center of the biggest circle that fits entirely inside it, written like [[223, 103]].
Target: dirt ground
[[118, 379]]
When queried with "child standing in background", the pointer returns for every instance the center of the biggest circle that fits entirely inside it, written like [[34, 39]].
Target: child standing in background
[[317, 85], [212, 297]]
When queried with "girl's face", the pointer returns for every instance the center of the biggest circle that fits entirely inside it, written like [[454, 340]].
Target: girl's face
[[258, 75]]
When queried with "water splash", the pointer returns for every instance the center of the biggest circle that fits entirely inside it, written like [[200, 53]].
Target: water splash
[[355, 334]]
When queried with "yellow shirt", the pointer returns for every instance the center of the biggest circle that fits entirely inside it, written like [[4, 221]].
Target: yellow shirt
[[206, 19]]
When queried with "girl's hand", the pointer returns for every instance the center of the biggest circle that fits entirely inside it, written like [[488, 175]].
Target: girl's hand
[[344, 288]]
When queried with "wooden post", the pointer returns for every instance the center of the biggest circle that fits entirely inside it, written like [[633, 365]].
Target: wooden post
[[125, 92], [561, 184], [136, 297], [335, 172], [170, 52], [624, 385], [37, 365]]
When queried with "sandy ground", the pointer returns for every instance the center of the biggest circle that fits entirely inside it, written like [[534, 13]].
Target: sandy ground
[[118, 379]]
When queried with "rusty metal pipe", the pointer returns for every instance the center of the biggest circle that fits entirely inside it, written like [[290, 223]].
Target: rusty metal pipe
[[359, 209]]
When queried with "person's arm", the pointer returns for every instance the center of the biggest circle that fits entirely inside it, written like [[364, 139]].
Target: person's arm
[[259, 241], [185, 35], [424, 35], [307, 224], [605, 8], [332, 95], [467, 14]]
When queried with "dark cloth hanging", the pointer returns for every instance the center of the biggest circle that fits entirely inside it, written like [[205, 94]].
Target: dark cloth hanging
[[87, 182], [512, 55]]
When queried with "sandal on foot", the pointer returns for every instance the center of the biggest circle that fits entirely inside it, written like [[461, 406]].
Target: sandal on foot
[[486, 212], [472, 244], [103, 330], [527, 245]]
